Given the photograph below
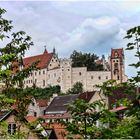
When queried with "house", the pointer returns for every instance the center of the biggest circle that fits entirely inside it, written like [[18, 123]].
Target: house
[[13, 126], [37, 107], [58, 108], [59, 129]]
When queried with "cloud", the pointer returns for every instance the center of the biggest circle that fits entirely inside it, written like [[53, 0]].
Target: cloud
[[93, 34], [93, 26]]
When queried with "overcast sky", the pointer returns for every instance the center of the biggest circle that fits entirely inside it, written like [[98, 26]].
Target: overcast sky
[[88, 26]]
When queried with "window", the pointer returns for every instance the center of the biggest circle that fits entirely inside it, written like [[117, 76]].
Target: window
[[33, 104], [43, 71], [11, 128], [50, 64], [115, 66], [39, 72], [80, 73], [54, 74], [118, 77], [43, 83], [68, 69], [106, 77], [35, 73], [44, 112], [99, 77], [91, 77], [35, 81], [31, 81], [35, 114]]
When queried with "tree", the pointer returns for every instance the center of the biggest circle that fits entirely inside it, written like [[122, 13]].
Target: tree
[[80, 59], [12, 72], [76, 89]]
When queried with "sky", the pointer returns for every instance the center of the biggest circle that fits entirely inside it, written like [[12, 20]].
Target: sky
[[93, 26]]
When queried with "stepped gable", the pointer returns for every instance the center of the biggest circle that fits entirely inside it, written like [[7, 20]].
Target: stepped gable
[[118, 51], [43, 59], [60, 103]]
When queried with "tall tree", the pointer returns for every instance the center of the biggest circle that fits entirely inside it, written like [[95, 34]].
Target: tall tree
[[12, 72], [80, 59], [76, 89]]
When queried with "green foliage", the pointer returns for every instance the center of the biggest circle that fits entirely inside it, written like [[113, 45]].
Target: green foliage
[[11, 58], [84, 117], [76, 89], [80, 59], [5, 102], [44, 93]]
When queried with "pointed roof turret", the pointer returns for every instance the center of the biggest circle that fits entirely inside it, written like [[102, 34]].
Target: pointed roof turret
[[45, 51], [54, 51]]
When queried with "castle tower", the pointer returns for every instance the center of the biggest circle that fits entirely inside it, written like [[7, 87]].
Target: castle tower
[[117, 65]]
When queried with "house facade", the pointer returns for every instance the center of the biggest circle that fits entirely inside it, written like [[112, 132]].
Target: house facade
[[55, 71]]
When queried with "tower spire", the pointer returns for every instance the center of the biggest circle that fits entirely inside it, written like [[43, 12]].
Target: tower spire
[[45, 50], [54, 51]]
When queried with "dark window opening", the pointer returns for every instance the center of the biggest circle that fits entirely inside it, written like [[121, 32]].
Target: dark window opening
[[35, 114], [43, 83], [11, 128]]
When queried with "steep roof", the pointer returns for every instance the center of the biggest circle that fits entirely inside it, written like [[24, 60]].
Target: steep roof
[[86, 96], [42, 102], [43, 59], [118, 51], [59, 104], [59, 129], [4, 114]]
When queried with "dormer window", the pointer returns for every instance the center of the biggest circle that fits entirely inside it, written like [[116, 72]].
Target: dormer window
[[116, 54]]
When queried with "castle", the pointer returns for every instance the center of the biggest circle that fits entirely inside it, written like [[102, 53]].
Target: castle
[[55, 71]]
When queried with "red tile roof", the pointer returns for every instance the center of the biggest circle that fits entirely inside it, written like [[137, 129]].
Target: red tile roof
[[118, 108], [98, 62], [118, 51], [42, 103], [59, 129], [86, 96], [31, 118], [43, 59]]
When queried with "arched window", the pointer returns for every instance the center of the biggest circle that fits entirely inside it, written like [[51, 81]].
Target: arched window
[[116, 66]]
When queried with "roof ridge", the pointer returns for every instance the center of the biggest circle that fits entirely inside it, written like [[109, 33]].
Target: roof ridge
[[37, 55]]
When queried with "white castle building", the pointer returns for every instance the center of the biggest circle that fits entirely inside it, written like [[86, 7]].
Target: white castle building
[[55, 71]]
